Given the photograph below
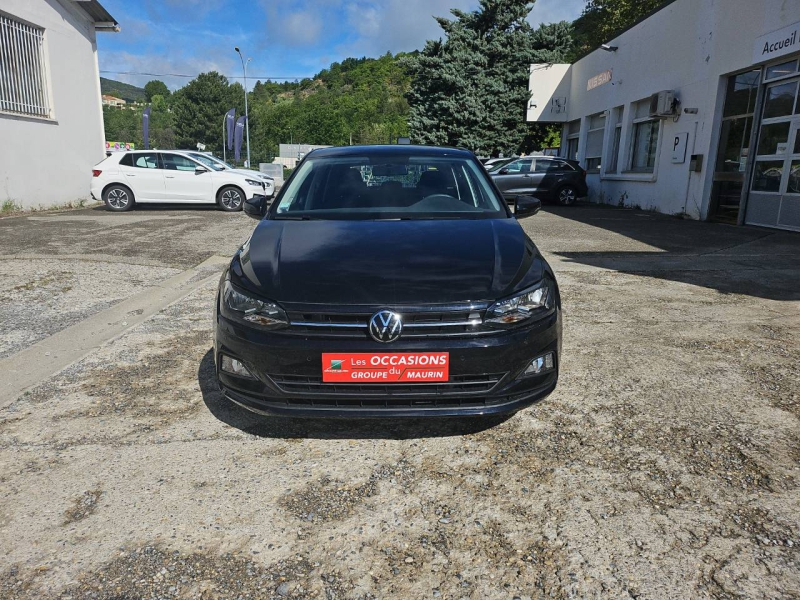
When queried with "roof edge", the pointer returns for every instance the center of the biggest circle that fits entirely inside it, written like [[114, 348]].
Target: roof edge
[[98, 15], [629, 27]]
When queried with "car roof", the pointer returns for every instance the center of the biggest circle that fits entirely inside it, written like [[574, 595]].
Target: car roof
[[390, 150]]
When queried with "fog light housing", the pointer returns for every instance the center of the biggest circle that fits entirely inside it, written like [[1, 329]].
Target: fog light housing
[[234, 367], [540, 365]]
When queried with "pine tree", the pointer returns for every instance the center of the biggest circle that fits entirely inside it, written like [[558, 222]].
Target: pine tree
[[470, 88]]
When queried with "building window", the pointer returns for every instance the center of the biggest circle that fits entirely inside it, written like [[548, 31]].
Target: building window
[[573, 137], [616, 139], [778, 147], [594, 141], [23, 77], [644, 141], [781, 70]]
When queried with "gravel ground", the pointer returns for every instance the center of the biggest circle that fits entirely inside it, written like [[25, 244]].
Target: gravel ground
[[41, 296], [665, 465]]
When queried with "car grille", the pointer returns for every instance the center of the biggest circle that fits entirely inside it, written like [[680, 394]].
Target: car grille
[[418, 322], [459, 385]]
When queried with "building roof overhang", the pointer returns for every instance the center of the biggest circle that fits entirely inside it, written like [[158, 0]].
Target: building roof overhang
[[100, 17]]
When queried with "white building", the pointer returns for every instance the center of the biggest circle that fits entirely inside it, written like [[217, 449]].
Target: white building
[[113, 101], [291, 154], [722, 142], [51, 117]]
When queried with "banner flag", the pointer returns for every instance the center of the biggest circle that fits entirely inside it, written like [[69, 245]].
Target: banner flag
[[146, 128], [230, 117], [237, 144]]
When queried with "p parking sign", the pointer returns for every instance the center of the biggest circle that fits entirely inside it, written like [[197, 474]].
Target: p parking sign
[[679, 143]]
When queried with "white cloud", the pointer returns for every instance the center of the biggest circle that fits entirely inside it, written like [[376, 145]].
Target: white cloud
[[159, 64], [397, 25], [405, 25]]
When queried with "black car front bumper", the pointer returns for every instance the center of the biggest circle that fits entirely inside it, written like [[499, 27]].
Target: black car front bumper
[[485, 373]]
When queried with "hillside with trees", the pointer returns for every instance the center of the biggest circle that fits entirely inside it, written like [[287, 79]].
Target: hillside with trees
[[118, 89], [468, 88], [360, 100]]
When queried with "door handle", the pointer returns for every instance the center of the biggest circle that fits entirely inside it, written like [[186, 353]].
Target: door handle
[[170, 176]]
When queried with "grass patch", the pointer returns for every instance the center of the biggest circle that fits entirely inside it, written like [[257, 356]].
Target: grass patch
[[10, 206]]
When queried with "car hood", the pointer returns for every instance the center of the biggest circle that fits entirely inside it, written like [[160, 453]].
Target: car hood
[[387, 262], [250, 173]]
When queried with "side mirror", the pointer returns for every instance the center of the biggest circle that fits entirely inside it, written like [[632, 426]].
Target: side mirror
[[526, 206], [503, 171], [255, 207], [198, 170]]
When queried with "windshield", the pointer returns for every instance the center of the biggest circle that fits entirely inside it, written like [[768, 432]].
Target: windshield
[[402, 186], [207, 161], [498, 165]]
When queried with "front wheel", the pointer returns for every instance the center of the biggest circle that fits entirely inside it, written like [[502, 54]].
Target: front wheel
[[230, 199], [118, 198], [567, 196]]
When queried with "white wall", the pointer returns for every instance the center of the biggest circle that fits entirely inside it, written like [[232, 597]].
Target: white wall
[[49, 162], [687, 47]]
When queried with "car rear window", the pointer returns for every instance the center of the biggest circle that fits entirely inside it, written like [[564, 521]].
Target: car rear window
[[397, 186]]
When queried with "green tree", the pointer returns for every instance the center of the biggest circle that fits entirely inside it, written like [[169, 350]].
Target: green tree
[[155, 88], [122, 125], [470, 88], [603, 20], [199, 108], [162, 124]]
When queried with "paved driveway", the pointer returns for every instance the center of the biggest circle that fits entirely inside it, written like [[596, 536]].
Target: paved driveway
[[664, 466]]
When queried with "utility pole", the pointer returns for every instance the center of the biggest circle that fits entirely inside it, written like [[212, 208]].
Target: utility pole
[[246, 116]]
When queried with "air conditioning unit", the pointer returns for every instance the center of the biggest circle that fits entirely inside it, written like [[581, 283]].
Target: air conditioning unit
[[663, 104]]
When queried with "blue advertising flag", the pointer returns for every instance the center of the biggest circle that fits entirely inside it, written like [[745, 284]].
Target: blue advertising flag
[[237, 144], [230, 117], [146, 128]]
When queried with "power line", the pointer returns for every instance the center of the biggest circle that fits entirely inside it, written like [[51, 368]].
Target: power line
[[272, 77]]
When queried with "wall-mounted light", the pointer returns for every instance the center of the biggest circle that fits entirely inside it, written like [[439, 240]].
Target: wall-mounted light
[[691, 111], [608, 48]]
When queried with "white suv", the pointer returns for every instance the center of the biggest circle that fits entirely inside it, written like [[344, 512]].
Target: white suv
[[151, 176]]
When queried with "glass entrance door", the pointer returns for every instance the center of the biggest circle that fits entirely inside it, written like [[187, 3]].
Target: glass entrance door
[[775, 189], [734, 145]]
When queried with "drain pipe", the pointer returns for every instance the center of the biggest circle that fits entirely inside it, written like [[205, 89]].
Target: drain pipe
[[689, 178]]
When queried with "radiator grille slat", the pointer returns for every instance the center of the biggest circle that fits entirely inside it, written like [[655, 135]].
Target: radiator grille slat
[[458, 386]]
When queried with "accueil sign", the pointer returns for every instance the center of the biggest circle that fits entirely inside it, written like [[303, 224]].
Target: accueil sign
[[778, 43]]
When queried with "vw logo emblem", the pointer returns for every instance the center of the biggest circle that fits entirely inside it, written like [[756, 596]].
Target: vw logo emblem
[[385, 326]]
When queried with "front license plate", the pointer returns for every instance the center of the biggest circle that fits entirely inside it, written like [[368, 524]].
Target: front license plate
[[386, 368]]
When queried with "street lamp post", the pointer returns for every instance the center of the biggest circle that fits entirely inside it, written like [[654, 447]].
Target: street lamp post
[[246, 116]]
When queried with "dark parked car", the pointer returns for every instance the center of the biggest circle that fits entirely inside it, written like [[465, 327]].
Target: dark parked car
[[547, 178], [388, 281]]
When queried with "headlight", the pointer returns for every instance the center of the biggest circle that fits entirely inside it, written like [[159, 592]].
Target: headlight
[[531, 302], [252, 310], [254, 182]]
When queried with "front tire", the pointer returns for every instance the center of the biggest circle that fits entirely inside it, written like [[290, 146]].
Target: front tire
[[118, 198], [230, 198], [567, 195]]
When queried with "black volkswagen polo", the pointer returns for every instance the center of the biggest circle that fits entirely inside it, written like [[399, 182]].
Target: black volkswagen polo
[[388, 281]]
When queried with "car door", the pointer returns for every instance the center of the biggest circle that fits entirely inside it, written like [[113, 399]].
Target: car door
[[183, 182], [514, 178], [144, 175], [546, 173], [552, 174]]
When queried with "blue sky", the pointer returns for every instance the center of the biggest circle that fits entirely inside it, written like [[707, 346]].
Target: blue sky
[[292, 38]]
